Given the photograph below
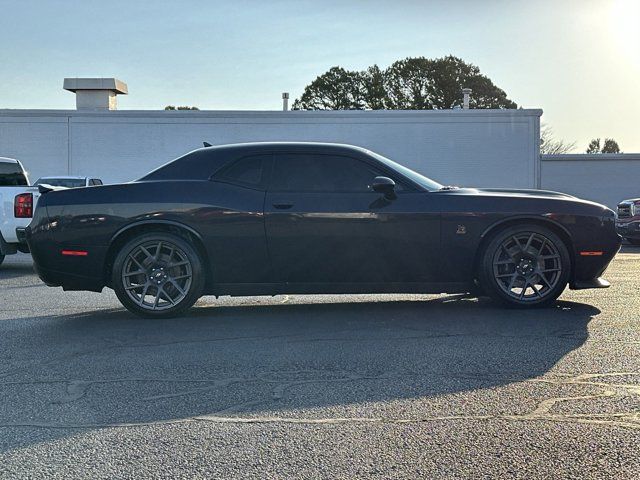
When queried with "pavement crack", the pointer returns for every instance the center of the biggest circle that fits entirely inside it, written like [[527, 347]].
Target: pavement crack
[[282, 382]]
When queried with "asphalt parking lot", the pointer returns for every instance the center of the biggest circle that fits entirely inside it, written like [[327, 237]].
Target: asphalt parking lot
[[402, 386]]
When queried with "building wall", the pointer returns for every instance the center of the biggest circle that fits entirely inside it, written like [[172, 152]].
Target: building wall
[[489, 148], [603, 178]]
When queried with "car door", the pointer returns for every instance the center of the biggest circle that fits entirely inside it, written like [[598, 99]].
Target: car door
[[324, 223], [233, 224]]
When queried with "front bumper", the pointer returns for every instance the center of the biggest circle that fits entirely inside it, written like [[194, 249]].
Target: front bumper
[[593, 283], [628, 229]]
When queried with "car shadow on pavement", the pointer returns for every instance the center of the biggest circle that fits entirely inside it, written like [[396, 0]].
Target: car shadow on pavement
[[273, 358], [15, 270]]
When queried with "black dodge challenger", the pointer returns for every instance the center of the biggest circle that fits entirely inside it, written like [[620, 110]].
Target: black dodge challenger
[[273, 218]]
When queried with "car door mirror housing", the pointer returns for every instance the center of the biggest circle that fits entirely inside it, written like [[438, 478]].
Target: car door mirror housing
[[385, 186]]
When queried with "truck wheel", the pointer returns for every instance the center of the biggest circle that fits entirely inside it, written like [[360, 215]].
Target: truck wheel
[[525, 266], [158, 275]]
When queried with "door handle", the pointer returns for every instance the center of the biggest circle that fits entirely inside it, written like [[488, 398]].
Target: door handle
[[283, 205]]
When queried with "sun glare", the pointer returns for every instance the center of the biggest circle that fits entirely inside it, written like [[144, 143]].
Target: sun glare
[[625, 28]]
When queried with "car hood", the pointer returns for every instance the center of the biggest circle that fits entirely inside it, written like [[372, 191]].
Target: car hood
[[514, 192]]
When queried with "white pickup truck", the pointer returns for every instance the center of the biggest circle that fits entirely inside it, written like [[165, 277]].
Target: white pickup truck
[[17, 202]]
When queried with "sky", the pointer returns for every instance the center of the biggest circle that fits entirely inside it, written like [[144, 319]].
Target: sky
[[578, 60]]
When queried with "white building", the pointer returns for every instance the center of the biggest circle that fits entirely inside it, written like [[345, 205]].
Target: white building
[[485, 148], [605, 178], [497, 148]]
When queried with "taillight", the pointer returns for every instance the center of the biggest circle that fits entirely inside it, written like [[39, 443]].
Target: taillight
[[23, 205]]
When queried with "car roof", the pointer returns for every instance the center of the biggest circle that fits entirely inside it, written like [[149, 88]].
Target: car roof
[[309, 146], [8, 160], [202, 163]]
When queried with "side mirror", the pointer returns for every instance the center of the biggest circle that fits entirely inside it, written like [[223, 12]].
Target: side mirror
[[385, 186]]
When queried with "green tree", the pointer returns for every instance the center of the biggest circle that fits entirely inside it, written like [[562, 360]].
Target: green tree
[[594, 146], [609, 146], [337, 89], [373, 88], [410, 84]]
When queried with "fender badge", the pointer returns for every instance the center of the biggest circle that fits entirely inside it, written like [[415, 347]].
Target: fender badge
[[461, 230]]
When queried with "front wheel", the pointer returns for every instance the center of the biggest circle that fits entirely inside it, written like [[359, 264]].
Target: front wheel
[[525, 266], [158, 275]]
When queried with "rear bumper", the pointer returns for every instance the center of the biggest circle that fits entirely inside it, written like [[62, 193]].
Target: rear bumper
[[66, 280], [68, 272], [21, 245], [21, 235]]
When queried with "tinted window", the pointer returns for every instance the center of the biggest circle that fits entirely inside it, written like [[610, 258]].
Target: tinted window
[[196, 165], [95, 181], [322, 173], [11, 175], [425, 182], [247, 171]]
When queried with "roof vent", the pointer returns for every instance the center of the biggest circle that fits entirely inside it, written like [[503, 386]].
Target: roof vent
[[466, 93], [96, 93]]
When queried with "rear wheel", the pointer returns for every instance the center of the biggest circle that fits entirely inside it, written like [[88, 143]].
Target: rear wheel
[[525, 266], [158, 275]]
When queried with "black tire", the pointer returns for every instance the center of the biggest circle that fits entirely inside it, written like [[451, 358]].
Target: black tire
[[1, 258], [632, 241], [525, 266], [159, 266]]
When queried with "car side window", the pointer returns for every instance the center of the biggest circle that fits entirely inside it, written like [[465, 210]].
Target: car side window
[[322, 173], [96, 181], [247, 171]]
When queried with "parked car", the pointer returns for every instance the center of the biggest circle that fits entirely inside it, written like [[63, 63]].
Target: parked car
[[628, 221], [275, 218], [17, 201], [69, 181]]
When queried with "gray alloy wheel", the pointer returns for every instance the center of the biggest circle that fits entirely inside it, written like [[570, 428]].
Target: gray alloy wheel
[[158, 275], [526, 265]]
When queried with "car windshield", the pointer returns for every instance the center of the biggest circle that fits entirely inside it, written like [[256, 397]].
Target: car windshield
[[421, 180], [62, 182]]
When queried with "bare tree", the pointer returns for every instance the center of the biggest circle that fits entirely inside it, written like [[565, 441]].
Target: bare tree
[[550, 145]]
